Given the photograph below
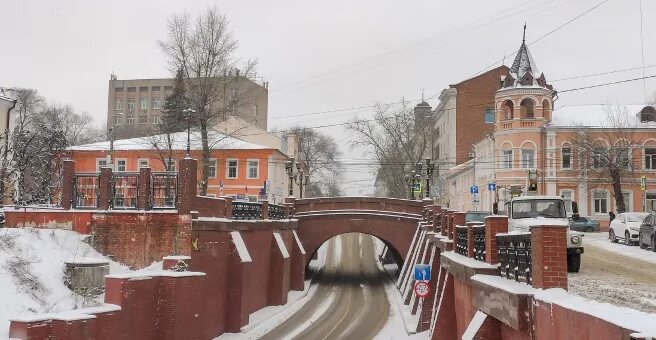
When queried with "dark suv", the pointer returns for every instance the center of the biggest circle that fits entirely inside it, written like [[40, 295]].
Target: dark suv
[[647, 233]]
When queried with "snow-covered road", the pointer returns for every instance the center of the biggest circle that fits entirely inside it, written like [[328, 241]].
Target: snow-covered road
[[616, 273]]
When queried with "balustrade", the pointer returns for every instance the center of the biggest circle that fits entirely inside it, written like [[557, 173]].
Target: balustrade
[[479, 242], [246, 210], [461, 240], [515, 256], [276, 212]]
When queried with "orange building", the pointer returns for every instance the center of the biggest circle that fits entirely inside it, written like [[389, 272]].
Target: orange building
[[237, 168]]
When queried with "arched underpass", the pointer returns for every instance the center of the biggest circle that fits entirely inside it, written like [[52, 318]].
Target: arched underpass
[[348, 236]]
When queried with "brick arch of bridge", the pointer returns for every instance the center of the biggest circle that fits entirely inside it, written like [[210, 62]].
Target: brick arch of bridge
[[394, 221]]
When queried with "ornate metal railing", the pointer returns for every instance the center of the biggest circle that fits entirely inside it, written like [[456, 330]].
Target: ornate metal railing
[[125, 187], [87, 192], [461, 240], [246, 210], [515, 256], [479, 242], [163, 190], [276, 212]]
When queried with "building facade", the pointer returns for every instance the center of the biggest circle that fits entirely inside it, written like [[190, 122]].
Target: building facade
[[529, 135], [134, 105], [238, 169]]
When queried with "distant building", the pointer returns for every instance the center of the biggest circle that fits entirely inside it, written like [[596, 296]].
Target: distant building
[[7, 107], [529, 135], [238, 168], [134, 105]]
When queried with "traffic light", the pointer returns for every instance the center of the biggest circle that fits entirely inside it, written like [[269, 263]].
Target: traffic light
[[532, 181]]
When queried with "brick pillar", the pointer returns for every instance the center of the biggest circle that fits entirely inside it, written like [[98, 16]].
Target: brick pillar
[[68, 183], [187, 182], [143, 198], [437, 217], [265, 209], [458, 218], [105, 188], [444, 222], [549, 256], [494, 225], [470, 238], [228, 207]]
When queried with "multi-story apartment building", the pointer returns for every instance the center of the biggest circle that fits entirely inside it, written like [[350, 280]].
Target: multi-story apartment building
[[529, 135], [134, 105]]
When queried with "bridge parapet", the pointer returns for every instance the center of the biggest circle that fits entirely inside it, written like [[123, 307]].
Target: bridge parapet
[[382, 204]]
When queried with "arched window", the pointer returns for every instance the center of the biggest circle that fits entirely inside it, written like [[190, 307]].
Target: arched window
[[507, 108], [648, 114], [527, 108], [546, 109]]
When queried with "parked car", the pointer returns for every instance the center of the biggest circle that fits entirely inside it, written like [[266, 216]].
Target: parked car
[[647, 233], [476, 216], [625, 227], [582, 223]]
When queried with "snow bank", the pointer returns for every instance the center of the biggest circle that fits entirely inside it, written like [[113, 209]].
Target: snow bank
[[467, 261], [600, 240], [38, 256]]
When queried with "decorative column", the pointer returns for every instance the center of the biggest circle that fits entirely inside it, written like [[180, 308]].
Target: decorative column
[[187, 179]]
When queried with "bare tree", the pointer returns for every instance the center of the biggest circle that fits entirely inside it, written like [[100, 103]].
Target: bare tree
[[319, 153], [396, 140], [606, 153], [204, 51]]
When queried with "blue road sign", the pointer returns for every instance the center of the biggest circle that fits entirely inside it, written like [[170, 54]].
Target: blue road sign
[[473, 189], [491, 186], [422, 272]]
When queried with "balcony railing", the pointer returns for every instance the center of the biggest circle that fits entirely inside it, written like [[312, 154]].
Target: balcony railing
[[461, 240], [276, 212], [246, 210], [479, 242], [515, 256]]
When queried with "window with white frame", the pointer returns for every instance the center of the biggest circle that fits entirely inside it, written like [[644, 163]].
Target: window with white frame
[[212, 169], [528, 159], [650, 202], [100, 163], [143, 103], [121, 165], [231, 168], [156, 103], [119, 104], [628, 201], [129, 120], [600, 201], [171, 165], [599, 159], [253, 168], [566, 154], [118, 120], [567, 197], [143, 163], [650, 158], [506, 159], [131, 104]]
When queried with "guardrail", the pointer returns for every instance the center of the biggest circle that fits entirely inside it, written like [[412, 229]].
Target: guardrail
[[515, 256], [246, 210]]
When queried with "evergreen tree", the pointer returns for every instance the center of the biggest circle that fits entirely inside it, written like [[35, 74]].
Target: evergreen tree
[[173, 116]]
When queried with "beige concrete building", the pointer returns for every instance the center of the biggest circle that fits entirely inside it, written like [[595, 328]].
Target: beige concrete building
[[134, 105]]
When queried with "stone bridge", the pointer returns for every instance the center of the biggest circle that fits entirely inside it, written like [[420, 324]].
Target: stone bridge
[[394, 221]]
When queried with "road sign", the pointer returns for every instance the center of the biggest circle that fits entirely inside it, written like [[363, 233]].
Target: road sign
[[475, 198], [491, 186], [422, 272], [416, 187], [422, 289], [473, 189]]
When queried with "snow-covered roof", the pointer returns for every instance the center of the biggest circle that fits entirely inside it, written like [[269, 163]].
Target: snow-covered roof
[[217, 140], [524, 63], [597, 115]]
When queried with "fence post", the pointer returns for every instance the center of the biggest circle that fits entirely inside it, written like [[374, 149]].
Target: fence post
[[494, 224], [265, 210], [187, 179], [143, 192], [458, 219], [68, 183], [105, 188], [437, 217], [549, 256], [470, 238]]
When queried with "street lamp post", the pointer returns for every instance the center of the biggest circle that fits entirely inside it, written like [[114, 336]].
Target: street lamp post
[[187, 113], [430, 166], [289, 167]]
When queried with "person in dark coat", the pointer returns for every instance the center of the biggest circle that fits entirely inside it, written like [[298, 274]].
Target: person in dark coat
[[611, 216]]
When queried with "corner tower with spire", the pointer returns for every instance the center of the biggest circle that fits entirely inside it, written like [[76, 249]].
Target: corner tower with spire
[[525, 100]]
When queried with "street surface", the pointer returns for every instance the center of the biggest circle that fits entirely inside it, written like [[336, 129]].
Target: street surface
[[350, 302], [616, 274]]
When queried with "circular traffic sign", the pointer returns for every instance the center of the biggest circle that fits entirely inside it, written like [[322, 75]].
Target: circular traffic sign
[[422, 289]]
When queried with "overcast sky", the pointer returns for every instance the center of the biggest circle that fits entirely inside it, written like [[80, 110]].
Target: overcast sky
[[325, 55]]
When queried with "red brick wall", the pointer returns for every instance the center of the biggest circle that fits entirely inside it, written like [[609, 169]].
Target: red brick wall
[[549, 257], [137, 239], [463, 301], [76, 220], [473, 97], [209, 206]]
